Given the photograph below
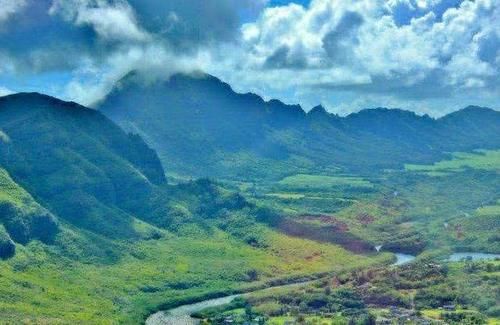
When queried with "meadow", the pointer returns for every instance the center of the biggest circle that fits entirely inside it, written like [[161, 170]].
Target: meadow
[[43, 286]]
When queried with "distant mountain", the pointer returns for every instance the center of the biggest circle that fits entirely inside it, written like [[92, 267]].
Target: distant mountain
[[201, 127]]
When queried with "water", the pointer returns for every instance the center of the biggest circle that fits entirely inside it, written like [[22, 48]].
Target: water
[[455, 257], [182, 315], [402, 259]]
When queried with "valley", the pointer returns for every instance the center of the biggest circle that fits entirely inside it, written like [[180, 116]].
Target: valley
[[249, 162], [94, 230]]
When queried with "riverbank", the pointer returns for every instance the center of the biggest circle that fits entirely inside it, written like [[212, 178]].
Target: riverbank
[[182, 314]]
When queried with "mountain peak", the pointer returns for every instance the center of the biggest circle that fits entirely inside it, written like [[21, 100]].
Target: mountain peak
[[474, 108], [471, 111], [38, 98], [318, 110]]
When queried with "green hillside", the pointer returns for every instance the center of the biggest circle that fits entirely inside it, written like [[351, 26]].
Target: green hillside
[[91, 231], [119, 242], [22, 219], [200, 126]]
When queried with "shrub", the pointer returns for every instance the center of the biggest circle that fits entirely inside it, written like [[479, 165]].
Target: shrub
[[7, 246]]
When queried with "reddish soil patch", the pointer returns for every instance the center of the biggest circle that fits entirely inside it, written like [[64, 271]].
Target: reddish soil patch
[[340, 226], [365, 218], [313, 256], [336, 233]]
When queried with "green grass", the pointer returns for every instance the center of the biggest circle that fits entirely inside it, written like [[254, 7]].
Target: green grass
[[11, 192], [481, 159], [318, 182], [287, 196], [44, 286], [489, 210]]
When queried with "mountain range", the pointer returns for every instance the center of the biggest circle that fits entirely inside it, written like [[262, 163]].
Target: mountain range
[[199, 126], [92, 230]]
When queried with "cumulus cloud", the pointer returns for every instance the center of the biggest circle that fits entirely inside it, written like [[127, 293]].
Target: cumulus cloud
[[10, 7], [111, 21], [94, 42], [343, 53], [445, 48], [150, 63]]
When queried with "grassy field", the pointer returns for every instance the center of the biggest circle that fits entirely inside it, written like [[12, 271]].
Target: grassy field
[[44, 283], [44, 287], [481, 159], [320, 182], [458, 210]]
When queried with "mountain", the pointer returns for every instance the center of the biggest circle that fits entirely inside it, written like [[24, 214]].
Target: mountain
[[201, 127], [76, 162], [22, 219], [92, 233]]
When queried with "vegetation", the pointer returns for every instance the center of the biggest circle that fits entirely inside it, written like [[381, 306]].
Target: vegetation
[[480, 159], [458, 293], [92, 232], [125, 243], [201, 127]]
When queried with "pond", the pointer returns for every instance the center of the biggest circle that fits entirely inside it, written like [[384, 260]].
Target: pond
[[455, 257]]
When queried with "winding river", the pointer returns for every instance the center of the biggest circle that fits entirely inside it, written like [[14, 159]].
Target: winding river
[[182, 314]]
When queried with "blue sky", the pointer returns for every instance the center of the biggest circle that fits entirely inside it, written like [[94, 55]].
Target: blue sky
[[285, 2], [430, 56]]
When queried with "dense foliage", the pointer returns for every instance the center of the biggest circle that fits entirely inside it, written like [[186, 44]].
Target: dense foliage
[[201, 127], [90, 230]]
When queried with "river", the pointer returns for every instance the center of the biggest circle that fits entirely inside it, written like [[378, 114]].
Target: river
[[182, 314]]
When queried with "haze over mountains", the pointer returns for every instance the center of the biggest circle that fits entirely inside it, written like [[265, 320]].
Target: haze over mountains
[[88, 200], [62, 159], [200, 126], [141, 183]]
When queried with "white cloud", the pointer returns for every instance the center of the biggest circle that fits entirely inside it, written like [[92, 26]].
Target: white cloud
[[111, 21], [343, 53], [358, 47], [152, 62], [10, 7], [5, 91]]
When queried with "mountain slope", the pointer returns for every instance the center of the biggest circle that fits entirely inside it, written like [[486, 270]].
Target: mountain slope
[[76, 162], [108, 240], [201, 127], [21, 218]]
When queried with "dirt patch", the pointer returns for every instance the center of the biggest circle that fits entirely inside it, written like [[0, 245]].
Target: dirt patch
[[340, 226], [335, 233], [365, 218]]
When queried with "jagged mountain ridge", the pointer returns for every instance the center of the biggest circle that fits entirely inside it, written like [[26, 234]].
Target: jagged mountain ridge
[[201, 127]]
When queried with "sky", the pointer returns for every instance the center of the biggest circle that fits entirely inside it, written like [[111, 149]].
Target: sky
[[429, 56]]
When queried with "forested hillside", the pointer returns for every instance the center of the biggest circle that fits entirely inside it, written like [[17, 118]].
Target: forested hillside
[[91, 232], [201, 127]]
